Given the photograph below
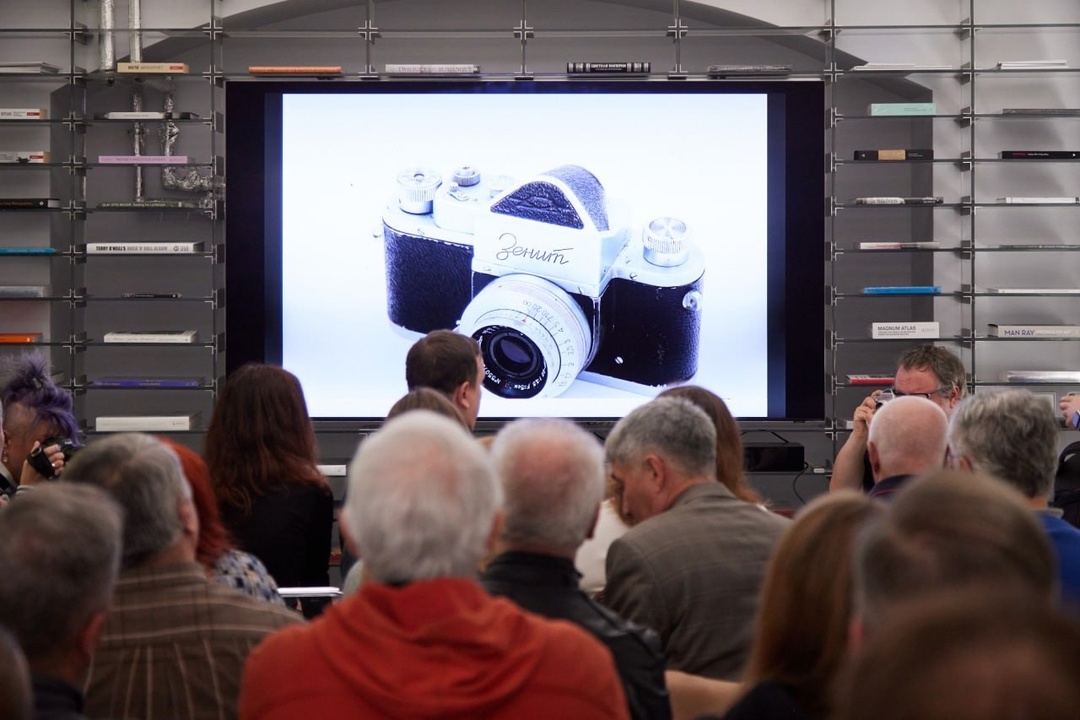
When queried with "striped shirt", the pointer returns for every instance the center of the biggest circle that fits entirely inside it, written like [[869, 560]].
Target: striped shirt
[[175, 644]]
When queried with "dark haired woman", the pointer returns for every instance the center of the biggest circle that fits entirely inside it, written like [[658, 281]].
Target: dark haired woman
[[261, 451]]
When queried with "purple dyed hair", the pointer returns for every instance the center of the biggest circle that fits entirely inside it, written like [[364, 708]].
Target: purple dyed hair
[[25, 380]]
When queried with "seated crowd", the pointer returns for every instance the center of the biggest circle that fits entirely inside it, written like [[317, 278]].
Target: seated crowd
[[142, 581]]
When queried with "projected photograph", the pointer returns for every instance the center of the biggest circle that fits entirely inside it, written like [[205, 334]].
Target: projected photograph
[[599, 246]]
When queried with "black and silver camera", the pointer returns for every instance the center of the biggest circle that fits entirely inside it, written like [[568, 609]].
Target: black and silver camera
[[883, 397], [40, 461], [547, 276]]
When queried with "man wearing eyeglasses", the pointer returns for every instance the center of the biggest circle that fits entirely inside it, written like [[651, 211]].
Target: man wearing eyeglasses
[[924, 371]]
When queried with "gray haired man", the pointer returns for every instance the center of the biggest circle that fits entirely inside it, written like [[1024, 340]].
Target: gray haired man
[[175, 643]]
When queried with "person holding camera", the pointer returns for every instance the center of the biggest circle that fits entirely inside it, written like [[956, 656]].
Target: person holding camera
[[1070, 410], [925, 371], [39, 427]]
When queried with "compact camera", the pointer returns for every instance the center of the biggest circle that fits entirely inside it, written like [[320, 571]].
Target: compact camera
[[547, 276], [40, 461], [883, 397]]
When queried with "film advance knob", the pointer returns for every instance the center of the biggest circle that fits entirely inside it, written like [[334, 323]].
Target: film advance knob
[[666, 241], [416, 189]]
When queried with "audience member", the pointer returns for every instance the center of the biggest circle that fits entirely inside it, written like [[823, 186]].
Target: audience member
[[425, 398], [591, 557], [35, 410], [928, 371], [1013, 435], [421, 638], [947, 532], [691, 568], [1070, 410], [909, 437], [215, 551], [800, 637], [16, 695], [59, 556], [970, 655], [262, 454], [175, 643], [730, 459], [552, 474], [449, 362]]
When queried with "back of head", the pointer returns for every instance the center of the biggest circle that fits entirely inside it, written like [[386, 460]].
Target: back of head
[[32, 399], [670, 426], [425, 398], [213, 538], [1011, 434], [16, 695], [441, 360], [260, 436], [422, 500], [946, 366], [552, 474], [976, 656], [910, 436], [59, 555], [730, 459], [145, 478], [946, 532], [802, 623]]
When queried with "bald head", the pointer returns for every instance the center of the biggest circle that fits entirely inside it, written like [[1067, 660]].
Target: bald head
[[552, 472], [908, 436]]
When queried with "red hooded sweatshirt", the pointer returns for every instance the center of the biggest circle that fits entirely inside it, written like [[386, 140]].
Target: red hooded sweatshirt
[[431, 649]]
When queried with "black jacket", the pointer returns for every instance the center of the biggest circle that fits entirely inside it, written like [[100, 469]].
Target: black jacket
[[548, 586]]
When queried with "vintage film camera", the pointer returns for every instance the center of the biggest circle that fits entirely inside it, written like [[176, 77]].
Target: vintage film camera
[[547, 277]]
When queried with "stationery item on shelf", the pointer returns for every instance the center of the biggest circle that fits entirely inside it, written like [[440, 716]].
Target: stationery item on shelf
[[1033, 291], [145, 115], [913, 108], [145, 423], [19, 338], [148, 205], [431, 69], [870, 379], [1039, 200], [1043, 376], [147, 382], [27, 251], [891, 330], [905, 67], [623, 68], [8, 292], [23, 114], [1033, 331], [935, 200], [143, 248], [920, 245], [142, 159], [176, 337], [902, 290], [1040, 111], [24, 157], [1035, 246], [894, 155], [152, 68], [726, 71], [1039, 154], [1032, 64], [28, 203], [150, 295], [30, 67], [294, 70]]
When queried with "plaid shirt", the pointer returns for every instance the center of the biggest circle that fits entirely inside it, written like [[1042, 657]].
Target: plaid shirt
[[175, 646]]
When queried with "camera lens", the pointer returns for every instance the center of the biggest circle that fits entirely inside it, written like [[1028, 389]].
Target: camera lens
[[534, 338]]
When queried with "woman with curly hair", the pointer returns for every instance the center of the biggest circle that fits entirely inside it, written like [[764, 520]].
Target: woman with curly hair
[[261, 451]]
